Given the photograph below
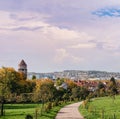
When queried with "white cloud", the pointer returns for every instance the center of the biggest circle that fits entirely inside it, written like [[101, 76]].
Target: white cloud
[[31, 30], [61, 31], [62, 56], [77, 60], [16, 21], [84, 45], [110, 46]]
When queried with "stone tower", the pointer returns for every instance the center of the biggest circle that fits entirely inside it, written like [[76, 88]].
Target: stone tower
[[22, 67]]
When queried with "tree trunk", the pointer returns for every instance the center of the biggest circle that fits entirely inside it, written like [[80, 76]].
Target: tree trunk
[[36, 114], [42, 107]]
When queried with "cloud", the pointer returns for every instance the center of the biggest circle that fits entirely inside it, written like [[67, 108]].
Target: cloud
[[84, 45], [111, 47], [62, 55], [21, 20], [76, 59], [52, 33], [36, 37], [39, 30]]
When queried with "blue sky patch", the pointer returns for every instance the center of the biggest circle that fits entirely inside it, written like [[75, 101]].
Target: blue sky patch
[[111, 12]]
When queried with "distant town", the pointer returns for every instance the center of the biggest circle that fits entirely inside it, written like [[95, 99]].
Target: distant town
[[76, 75], [69, 74]]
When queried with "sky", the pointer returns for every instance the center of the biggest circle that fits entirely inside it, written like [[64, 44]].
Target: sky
[[57, 35]]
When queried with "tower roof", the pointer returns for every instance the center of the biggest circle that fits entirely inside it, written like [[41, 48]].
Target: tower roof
[[22, 63]]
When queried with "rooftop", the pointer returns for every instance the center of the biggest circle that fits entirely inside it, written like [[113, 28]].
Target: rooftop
[[22, 63]]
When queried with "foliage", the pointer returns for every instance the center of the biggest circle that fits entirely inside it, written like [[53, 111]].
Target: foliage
[[71, 84], [44, 90], [33, 77], [76, 92], [13, 81], [48, 106], [5, 87], [14, 88], [59, 81], [100, 85], [113, 86], [84, 93], [28, 116]]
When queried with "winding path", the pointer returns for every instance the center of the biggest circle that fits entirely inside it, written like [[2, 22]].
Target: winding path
[[70, 112]]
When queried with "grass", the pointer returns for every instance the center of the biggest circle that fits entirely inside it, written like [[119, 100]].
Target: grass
[[102, 108], [19, 111]]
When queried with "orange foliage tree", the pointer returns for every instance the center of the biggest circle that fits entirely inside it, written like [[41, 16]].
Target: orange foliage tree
[[44, 90]]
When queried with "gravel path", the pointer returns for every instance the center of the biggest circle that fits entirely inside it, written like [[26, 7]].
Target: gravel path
[[70, 112]]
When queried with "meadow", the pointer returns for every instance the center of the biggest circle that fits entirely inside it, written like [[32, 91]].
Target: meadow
[[101, 108], [19, 111]]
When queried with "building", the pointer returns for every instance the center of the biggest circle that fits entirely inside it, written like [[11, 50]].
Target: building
[[22, 67]]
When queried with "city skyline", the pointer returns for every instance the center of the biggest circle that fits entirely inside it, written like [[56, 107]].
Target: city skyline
[[60, 35]]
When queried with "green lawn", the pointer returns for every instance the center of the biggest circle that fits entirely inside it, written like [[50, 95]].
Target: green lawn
[[19, 111], [102, 108]]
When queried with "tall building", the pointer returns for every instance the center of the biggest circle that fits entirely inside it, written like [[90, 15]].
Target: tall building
[[22, 67]]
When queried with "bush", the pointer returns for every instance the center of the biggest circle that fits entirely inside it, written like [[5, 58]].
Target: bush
[[55, 103], [85, 104], [48, 106], [28, 116]]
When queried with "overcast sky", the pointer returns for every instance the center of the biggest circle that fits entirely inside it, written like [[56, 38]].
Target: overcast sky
[[56, 35]]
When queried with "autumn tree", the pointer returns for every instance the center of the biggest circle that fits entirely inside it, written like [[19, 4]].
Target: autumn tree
[[4, 86], [59, 81], [71, 86], [44, 90], [11, 82]]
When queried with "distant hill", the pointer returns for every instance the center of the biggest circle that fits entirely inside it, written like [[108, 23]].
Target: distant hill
[[76, 75]]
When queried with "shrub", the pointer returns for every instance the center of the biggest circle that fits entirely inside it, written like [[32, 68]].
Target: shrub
[[48, 106], [55, 103], [85, 104], [28, 116]]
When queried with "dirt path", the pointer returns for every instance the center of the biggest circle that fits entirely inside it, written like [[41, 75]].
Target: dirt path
[[70, 112]]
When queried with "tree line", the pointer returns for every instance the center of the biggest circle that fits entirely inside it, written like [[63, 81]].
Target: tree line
[[14, 88]]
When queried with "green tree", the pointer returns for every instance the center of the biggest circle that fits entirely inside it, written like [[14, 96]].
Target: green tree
[[100, 85], [33, 77], [84, 92], [59, 81], [76, 92], [113, 86], [100, 89]]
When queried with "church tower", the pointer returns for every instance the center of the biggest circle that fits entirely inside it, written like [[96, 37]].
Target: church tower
[[22, 67]]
